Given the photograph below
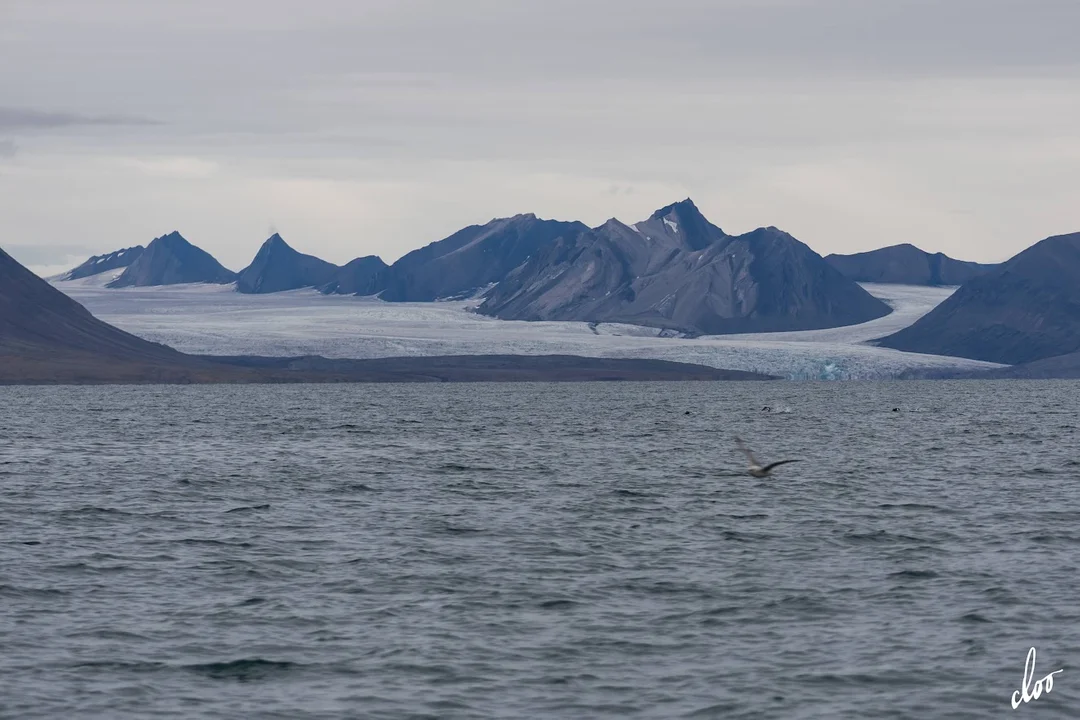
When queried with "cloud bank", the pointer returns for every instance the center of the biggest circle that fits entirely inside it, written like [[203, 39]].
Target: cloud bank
[[377, 126]]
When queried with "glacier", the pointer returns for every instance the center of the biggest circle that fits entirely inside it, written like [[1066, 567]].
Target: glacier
[[216, 320]]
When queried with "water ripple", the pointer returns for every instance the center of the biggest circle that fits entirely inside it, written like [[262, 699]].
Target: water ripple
[[535, 551]]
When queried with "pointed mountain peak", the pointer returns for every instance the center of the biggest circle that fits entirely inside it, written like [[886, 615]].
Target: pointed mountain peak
[[172, 260], [685, 209], [770, 231], [522, 219], [618, 226], [683, 223], [276, 242], [173, 238], [278, 267]]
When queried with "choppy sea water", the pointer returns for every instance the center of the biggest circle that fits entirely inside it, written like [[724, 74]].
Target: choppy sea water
[[538, 551]]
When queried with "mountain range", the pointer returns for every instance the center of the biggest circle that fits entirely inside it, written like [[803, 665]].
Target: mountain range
[[907, 265], [48, 338], [678, 271], [675, 271]]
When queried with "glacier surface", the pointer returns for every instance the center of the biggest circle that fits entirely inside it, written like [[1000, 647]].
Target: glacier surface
[[214, 319]]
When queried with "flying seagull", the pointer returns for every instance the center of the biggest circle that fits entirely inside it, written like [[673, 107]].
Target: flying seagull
[[756, 468]]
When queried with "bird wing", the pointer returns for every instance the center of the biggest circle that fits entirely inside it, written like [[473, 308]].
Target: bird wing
[[746, 451], [769, 468]]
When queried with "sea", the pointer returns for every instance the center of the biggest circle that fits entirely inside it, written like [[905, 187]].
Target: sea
[[541, 551]]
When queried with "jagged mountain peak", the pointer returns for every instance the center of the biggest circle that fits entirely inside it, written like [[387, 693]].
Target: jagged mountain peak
[[683, 207], [278, 267], [616, 224], [683, 224], [171, 260], [521, 220], [679, 272], [172, 238], [276, 244]]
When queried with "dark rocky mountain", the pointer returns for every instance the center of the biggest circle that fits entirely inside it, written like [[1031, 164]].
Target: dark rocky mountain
[[472, 259], [45, 336], [678, 271], [1026, 310], [362, 276], [277, 267], [682, 226], [907, 265], [172, 260], [104, 263]]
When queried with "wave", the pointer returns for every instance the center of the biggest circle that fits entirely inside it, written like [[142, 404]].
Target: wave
[[243, 670], [28, 592], [914, 575], [251, 508]]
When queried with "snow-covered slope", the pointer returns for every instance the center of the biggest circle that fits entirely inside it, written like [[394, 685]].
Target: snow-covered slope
[[98, 281], [216, 320]]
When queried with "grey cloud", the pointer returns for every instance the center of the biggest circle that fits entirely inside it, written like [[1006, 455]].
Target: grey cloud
[[839, 119], [47, 254], [510, 35], [700, 38], [8, 149], [242, 44], [15, 118], [256, 67]]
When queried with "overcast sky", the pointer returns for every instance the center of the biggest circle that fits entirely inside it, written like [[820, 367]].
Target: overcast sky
[[358, 127]]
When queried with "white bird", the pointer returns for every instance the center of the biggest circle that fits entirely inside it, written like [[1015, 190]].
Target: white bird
[[756, 469]]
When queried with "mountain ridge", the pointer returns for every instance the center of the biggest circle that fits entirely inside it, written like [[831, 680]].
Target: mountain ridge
[[907, 264], [471, 259], [46, 338], [677, 271], [1026, 310], [97, 264], [172, 260]]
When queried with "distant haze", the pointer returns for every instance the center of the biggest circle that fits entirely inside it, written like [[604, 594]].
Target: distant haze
[[359, 127]]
